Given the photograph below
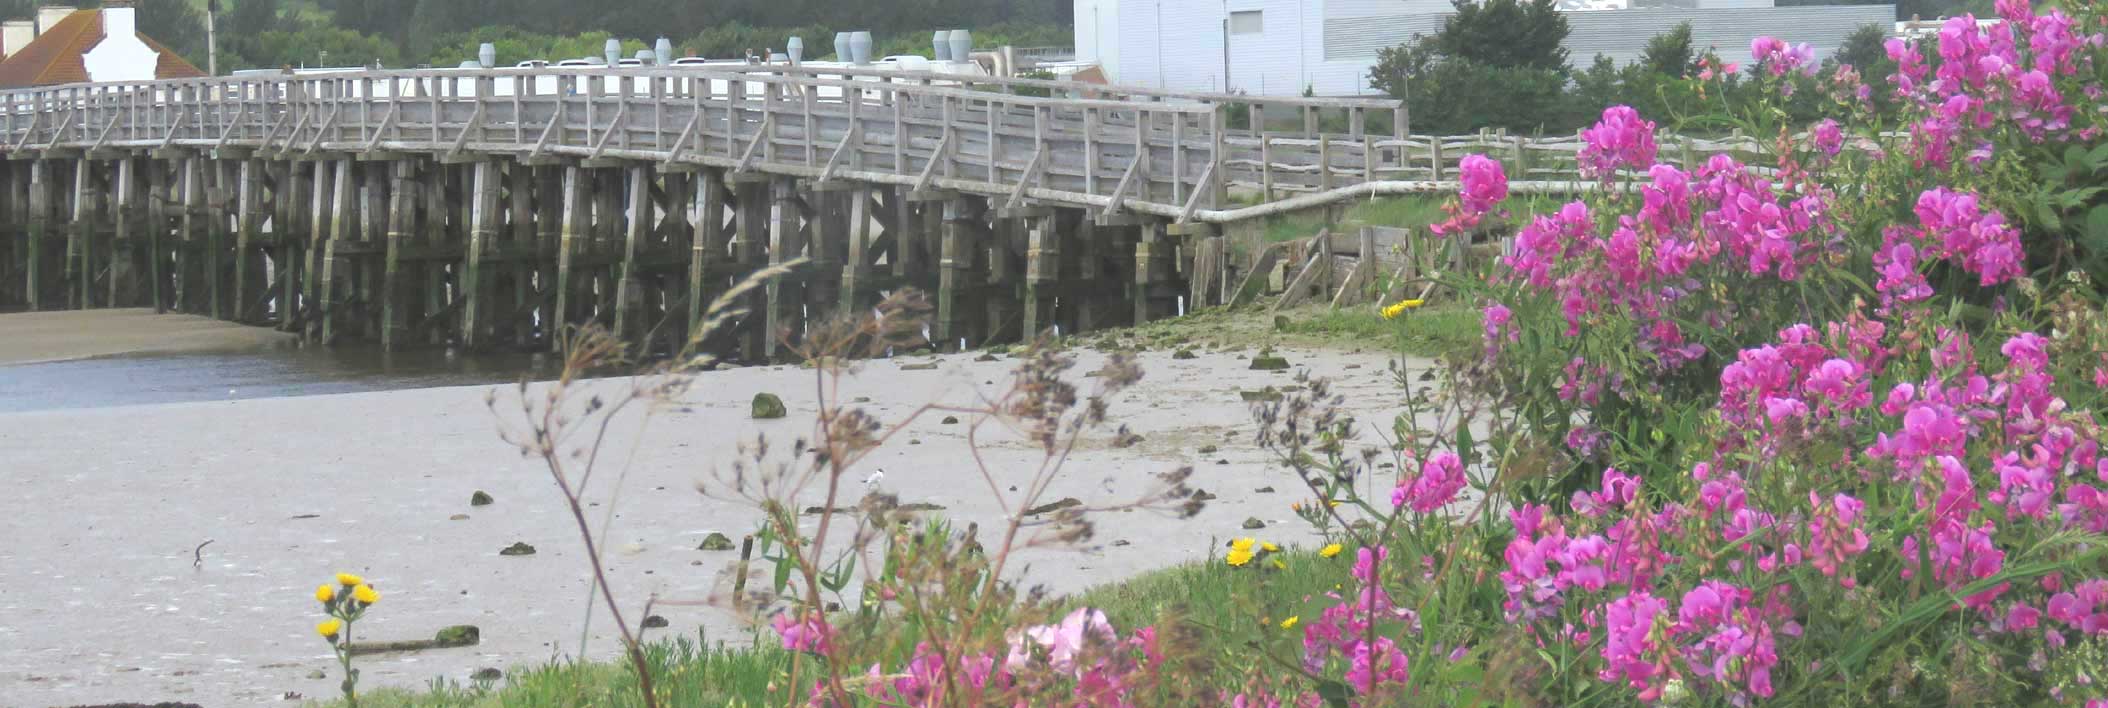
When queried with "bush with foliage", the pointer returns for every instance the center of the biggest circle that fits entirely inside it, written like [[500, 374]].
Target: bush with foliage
[[1815, 428]]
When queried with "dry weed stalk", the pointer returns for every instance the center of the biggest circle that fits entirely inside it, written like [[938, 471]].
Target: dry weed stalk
[[565, 423], [954, 587]]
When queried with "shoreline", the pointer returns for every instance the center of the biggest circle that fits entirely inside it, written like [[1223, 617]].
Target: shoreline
[[75, 335]]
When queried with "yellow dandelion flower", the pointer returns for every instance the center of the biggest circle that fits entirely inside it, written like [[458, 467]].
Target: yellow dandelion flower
[[348, 580], [1290, 623], [1295, 507], [1330, 550], [1334, 503], [1270, 547], [329, 628], [325, 593], [1279, 564], [1237, 557], [1392, 311], [1243, 544], [365, 593]]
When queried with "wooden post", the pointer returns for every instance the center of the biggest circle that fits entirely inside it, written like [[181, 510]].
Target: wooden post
[[289, 232], [548, 240], [954, 258], [191, 255], [629, 299], [317, 246], [786, 301], [1042, 274], [1149, 258], [519, 244], [706, 249], [856, 270], [340, 208], [39, 228], [750, 251], [124, 248], [80, 247], [248, 265], [395, 283], [484, 218], [218, 181], [577, 214]]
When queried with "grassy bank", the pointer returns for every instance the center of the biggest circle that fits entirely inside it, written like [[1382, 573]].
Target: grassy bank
[[1433, 332], [695, 671]]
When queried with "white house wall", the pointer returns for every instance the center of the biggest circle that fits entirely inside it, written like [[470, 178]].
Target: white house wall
[[1098, 35], [1170, 44]]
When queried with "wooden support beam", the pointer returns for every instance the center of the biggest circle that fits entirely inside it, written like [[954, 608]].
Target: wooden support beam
[[785, 320], [477, 280], [248, 258], [705, 250], [40, 198], [577, 218], [629, 300], [1042, 270], [856, 267], [396, 284], [341, 205]]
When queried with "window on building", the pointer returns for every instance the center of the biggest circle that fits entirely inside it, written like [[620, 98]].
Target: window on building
[[1247, 22]]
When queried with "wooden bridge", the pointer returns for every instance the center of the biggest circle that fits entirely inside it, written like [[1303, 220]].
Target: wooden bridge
[[488, 207]]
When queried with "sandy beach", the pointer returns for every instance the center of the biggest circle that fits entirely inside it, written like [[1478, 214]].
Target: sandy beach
[[34, 337], [108, 599]]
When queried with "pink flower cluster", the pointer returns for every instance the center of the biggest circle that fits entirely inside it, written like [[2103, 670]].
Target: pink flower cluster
[[1081, 656], [1952, 226], [1437, 484], [1620, 140], [1341, 633], [1484, 185], [1614, 567], [2003, 74], [1641, 266], [1781, 58]]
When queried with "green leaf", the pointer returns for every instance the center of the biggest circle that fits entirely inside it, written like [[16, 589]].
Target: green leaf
[[1334, 692], [783, 575], [1465, 449], [2098, 158], [2096, 235]]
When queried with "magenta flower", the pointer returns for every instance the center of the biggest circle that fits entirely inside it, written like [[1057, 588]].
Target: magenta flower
[[1829, 138], [1621, 140]]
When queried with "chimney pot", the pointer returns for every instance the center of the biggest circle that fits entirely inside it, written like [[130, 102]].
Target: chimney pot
[[48, 16]]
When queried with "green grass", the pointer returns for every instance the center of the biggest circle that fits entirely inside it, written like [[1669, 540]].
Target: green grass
[[1435, 331], [1211, 595], [686, 672]]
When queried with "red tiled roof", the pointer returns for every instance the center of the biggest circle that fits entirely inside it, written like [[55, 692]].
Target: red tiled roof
[[55, 57]]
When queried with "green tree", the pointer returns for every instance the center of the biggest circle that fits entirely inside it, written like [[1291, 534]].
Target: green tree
[[1505, 34], [1669, 53], [249, 17]]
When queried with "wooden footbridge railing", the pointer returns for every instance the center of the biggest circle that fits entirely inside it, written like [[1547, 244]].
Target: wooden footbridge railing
[[490, 207]]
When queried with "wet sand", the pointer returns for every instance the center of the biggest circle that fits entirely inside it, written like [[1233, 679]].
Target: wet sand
[[106, 601], [33, 337]]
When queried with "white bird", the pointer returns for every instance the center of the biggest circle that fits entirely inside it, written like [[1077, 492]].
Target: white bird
[[875, 478]]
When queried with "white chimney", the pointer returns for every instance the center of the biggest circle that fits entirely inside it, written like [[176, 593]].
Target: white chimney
[[120, 56], [16, 34], [48, 16], [119, 19]]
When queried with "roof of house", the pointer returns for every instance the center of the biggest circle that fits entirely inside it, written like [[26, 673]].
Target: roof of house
[[55, 56]]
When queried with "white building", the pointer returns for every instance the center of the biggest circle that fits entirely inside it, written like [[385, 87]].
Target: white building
[[1285, 47]]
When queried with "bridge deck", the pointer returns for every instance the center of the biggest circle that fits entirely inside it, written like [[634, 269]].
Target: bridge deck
[[474, 206]]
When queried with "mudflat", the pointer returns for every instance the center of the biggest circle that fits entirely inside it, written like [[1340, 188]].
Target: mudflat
[[109, 596], [35, 337]]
